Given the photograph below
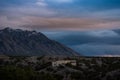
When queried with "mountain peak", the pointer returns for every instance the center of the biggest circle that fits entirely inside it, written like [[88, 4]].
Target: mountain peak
[[8, 29]]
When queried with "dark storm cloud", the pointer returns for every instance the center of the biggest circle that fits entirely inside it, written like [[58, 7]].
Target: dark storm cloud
[[117, 31], [90, 43], [79, 38]]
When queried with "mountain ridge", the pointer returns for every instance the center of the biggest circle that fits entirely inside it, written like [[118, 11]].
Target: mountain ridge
[[17, 42]]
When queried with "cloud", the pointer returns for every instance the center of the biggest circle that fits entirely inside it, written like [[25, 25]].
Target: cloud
[[62, 23], [79, 38], [90, 43], [41, 3], [97, 50], [103, 33], [49, 15], [62, 1], [24, 11], [100, 5], [110, 14]]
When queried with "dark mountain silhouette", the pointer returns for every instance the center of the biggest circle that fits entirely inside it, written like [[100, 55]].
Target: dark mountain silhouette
[[17, 42]]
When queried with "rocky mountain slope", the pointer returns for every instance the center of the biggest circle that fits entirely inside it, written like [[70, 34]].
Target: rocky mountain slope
[[18, 42]]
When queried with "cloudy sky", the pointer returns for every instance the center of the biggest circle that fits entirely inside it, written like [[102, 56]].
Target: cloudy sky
[[91, 27]]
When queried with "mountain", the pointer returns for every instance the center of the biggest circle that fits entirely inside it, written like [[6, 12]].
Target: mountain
[[17, 42]]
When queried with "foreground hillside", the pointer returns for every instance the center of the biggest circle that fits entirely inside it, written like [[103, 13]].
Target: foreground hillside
[[16, 42], [40, 68]]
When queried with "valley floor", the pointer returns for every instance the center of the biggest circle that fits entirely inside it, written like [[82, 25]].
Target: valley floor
[[40, 68]]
